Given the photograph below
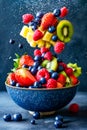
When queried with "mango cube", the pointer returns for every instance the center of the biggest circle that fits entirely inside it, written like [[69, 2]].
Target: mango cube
[[47, 36], [24, 31]]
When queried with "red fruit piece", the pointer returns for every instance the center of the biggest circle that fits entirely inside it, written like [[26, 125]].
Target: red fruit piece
[[51, 83], [37, 35], [43, 73], [27, 18], [69, 71], [74, 108], [10, 77], [63, 65], [61, 79], [26, 60], [59, 47], [44, 49], [48, 20], [59, 85], [48, 55], [24, 77], [64, 12], [73, 79], [37, 52]]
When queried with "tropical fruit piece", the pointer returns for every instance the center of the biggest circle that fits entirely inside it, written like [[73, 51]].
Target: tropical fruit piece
[[64, 30], [24, 31]]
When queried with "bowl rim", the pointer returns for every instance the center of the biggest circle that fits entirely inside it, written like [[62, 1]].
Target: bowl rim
[[41, 89]]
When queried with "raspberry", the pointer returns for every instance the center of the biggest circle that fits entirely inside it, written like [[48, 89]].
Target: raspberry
[[64, 12], [69, 71], [63, 65], [27, 18], [43, 73], [59, 47], [51, 83], [74, 108], [48, 55], [37, 52], [61, 79], [44, 49]]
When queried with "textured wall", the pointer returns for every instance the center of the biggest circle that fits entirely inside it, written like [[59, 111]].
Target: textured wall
[[10, 26]]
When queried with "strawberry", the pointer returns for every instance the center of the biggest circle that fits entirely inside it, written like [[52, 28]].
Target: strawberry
[[24, 77], [64, 12], [27, 18], [26, 60], [10, 77], [51, 83], [59, 47], [48, 20], [37, 35], [48, 55], [73, 79], [61, 79], [59, 85], [42, 73]]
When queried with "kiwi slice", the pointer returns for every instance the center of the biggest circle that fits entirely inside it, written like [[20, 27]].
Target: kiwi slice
[[64, 31]]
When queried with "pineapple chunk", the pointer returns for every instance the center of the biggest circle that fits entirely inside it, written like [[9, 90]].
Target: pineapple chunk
[[47, 45], [24, 31], [47, 36], [40, 43]]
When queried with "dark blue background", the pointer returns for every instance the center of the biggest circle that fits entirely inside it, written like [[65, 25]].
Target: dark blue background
[[10, 26]]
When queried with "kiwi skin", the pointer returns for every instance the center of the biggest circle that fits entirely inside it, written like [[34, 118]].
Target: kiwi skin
[[65, 36]]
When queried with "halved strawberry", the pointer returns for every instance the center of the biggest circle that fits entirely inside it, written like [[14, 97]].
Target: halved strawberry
[[48, 20], [37, 35], [61, 79], [10, 77], [26, 60], [73, 79], [24, 77]]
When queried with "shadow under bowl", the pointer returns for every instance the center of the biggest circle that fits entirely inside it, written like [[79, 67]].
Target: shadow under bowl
[[41, 100]]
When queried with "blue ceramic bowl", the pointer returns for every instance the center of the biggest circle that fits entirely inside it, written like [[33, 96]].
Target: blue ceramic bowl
[[41, 100]]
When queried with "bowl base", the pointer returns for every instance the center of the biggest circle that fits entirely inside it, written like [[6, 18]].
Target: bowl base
[[43, 113]]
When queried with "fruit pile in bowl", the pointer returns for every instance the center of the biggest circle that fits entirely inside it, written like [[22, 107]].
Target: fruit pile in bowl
[[44, 82]]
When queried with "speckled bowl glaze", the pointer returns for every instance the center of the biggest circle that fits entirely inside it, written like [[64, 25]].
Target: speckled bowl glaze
[[41, 100]]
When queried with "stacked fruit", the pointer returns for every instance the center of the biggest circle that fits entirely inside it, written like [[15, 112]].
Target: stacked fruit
[[45, 70], [46, 30]]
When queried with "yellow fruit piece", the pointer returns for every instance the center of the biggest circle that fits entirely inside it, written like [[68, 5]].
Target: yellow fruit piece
[[47, 45], [40, 43], [29, 37], [52, 43], [47, 36], [43, 31], [33, 44], [30, 30], [24, 31]]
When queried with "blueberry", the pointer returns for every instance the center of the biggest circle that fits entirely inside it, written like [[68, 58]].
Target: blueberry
[[54, 75], [7, 117], [31, 86], [51, 71], [20, 45], [18, 85], [33, 70], [58, 124], [37, 58], [34, 27], [11, 41], [59, 117], [51, 29], [33, 121], [30, 67], [57, 12], [36, 115], [43, 80], [25, 66], [42, 55], [17, 117], [60, 68], [54, 38], [37, 20], [36, 64], [39, 14], [59, 60], [12, 82], [31, 23], [37, 84], [39, 67]]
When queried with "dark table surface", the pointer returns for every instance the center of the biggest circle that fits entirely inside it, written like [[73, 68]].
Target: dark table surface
[[71, 121]]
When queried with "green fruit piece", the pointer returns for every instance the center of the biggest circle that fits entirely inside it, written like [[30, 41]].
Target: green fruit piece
[[64, 30], [77, 70], [44, 63], [52, 65], [64, 73]]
